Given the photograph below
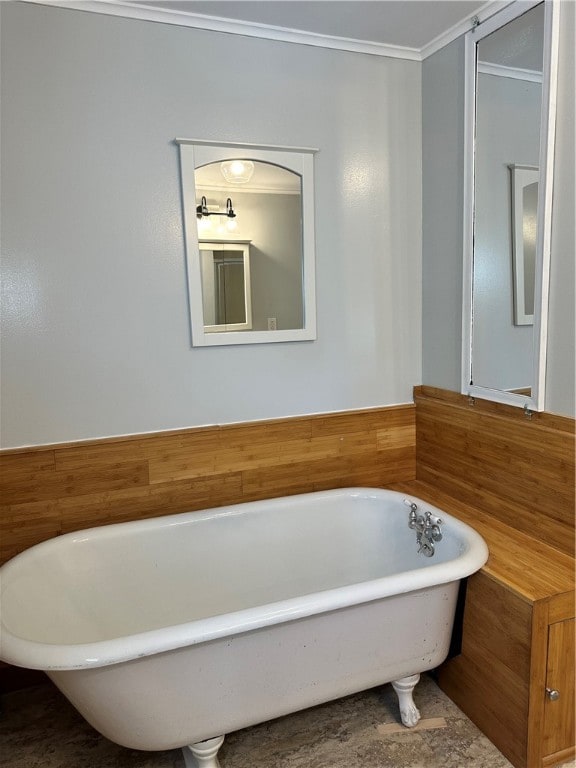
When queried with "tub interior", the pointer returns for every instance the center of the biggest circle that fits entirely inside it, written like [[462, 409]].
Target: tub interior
[[126, 579]]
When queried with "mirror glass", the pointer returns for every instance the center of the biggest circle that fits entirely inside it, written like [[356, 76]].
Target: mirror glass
[[524, 226], [267, 207], [249, 242], [508, 120], [226, 286]]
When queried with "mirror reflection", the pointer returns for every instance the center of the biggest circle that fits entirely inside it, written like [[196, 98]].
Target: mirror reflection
[[226, 286], [507, 147], [248, 214], [524, 184], [252, 279]]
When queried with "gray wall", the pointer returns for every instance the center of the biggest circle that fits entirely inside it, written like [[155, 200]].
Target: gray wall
[[560, 386], [442, 174], [273, 223], [96, 336], [507, 131], [442, 163]]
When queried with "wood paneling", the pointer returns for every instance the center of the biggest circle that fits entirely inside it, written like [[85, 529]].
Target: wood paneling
[[495, 664], [512, 413], [47, 491], [523, 564], [512, 479], [561, 607], [539, 650], [498, 706], [497, 625], [519, 470], [559, 719]]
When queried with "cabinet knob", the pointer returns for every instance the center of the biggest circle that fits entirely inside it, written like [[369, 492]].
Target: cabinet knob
[[553, 694]]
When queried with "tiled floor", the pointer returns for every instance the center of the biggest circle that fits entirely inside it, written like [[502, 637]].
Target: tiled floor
[[40, 729]]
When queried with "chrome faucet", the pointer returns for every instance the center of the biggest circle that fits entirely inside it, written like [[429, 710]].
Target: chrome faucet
[[427, 527]]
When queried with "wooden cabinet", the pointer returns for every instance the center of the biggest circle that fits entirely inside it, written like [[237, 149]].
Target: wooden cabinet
[[512, 479], [559, 736], [510, 656], [517, 641]]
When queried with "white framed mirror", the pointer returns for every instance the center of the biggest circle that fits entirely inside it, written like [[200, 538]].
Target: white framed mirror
[[226, 286], [249, 231], [524, 181], [510, 106]]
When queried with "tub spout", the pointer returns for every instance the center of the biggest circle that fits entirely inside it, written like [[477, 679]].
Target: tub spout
[[427, 527], [426, 547]]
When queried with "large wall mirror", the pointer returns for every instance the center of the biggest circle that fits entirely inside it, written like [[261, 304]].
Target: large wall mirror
[[249, 228], [510, 113]]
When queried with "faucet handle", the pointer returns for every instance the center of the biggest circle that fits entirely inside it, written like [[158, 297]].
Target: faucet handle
[[413, 516], [433, 524], [426, 548], [436, 533]]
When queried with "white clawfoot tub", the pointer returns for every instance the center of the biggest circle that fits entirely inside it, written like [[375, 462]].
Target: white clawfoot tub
[[170, 632]]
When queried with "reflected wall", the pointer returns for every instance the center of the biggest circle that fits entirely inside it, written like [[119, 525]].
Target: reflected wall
[[507, 132], [443, 168], [272, 223]]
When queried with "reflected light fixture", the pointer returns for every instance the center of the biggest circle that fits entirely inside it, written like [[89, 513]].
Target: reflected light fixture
[[202, 210], [237, 171]]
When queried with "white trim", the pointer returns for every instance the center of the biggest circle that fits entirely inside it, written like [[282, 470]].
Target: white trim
[[511, 11], [249, 146], [251, 191], [231, 26], [129, 10], [468, 208], [545, 186], [520, 177], [244, 145], [485, 12], [194, 154], [221, 246], [515, 73], [125, 436]]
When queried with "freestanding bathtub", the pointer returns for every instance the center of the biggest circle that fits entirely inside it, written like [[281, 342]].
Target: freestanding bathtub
[[170, 632]]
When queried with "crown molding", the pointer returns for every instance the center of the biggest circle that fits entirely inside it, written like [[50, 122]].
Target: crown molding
[[500, 70], [485, 12], [134, 10], [231, 192], [231, 26]]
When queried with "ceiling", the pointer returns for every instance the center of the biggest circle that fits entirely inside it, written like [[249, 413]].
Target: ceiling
[[519, 44], [267, 178], [410, 29], [377, 26], [406, 23]]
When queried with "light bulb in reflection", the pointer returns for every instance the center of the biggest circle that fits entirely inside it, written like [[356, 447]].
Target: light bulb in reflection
[[231, 225], [204, 225], [237, 171]]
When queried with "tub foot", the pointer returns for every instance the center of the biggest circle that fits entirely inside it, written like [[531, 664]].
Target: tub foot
[[408, 710], [203, 753]]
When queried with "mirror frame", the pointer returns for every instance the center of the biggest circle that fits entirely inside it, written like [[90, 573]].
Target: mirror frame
[[521, 177], [220, 246], [197, 152], [536, 401]]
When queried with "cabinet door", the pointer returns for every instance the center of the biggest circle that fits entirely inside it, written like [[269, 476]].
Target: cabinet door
[[559, 714]]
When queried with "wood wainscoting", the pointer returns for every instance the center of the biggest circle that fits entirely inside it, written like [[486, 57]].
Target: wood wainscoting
[[512, 478], [519, 468], [50, 490]]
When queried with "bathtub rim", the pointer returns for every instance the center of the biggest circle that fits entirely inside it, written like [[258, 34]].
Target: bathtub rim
[[60, 657]]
